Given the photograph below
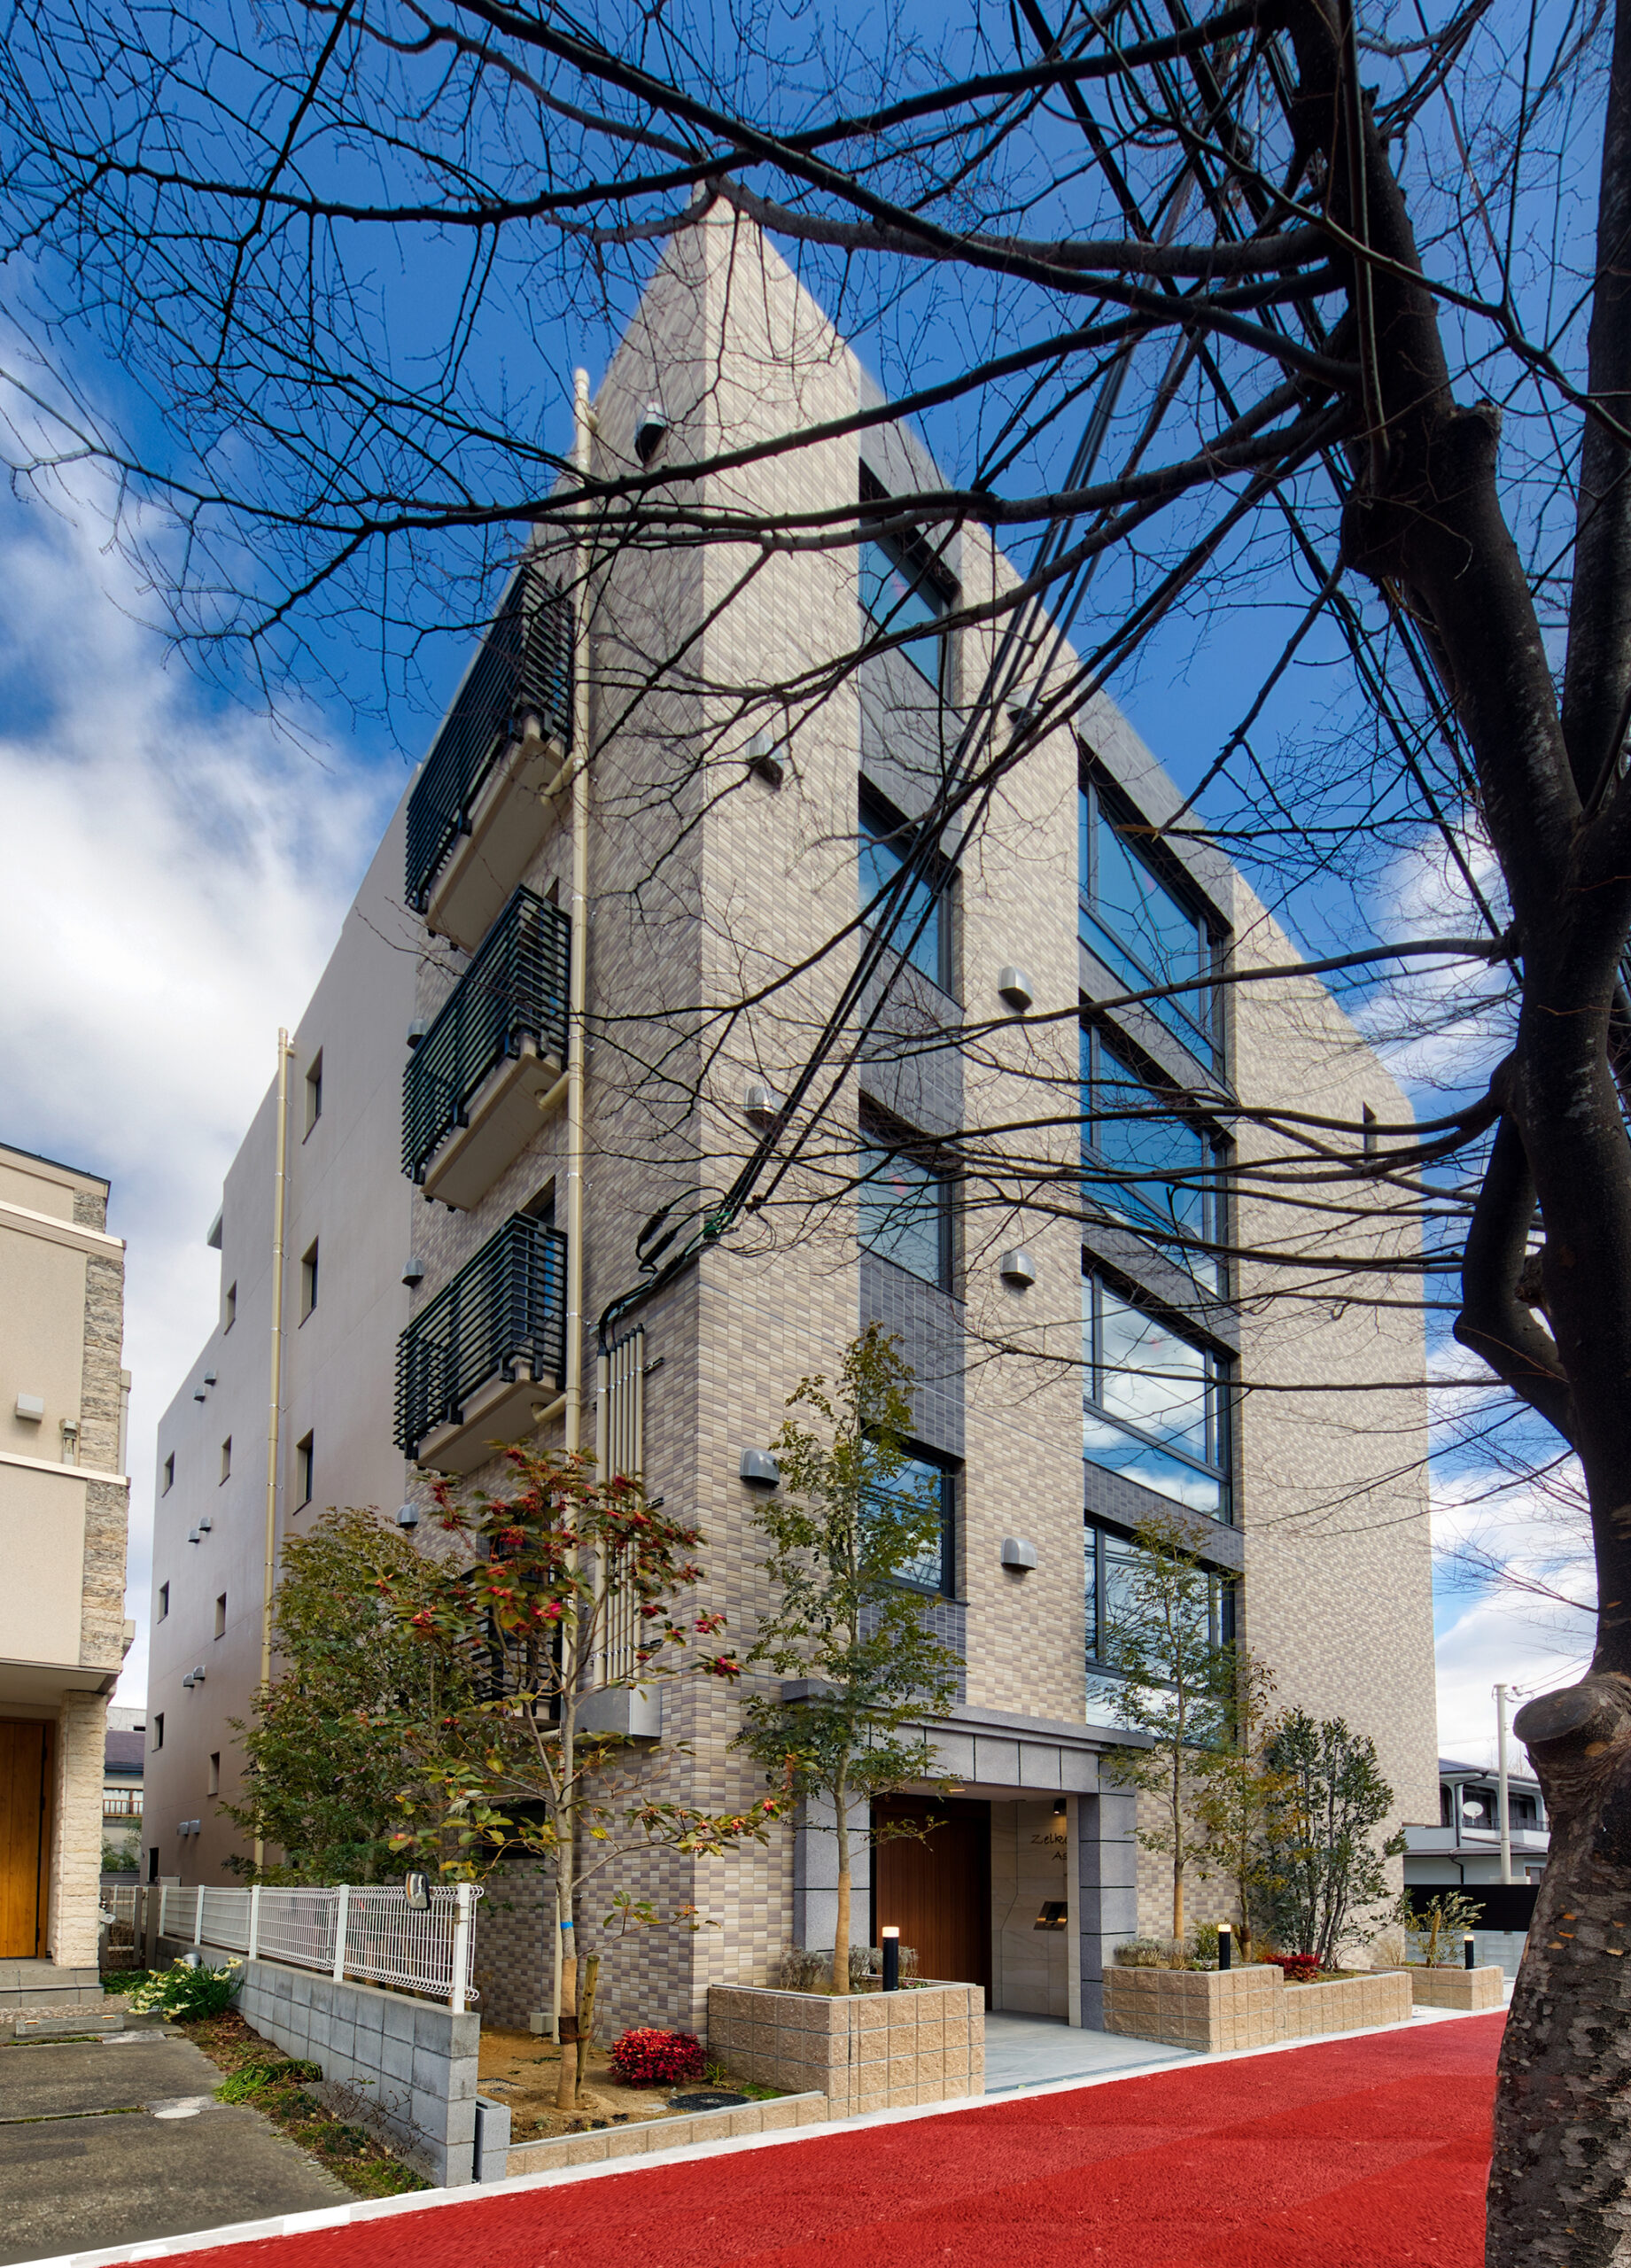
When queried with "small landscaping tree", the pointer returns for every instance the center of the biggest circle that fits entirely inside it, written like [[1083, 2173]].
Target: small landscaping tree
[[1236, 1788], [323, 1776], [1175, 1688], [566, 1583], [1323, 1866], [846, 1538], [1435, 1928]]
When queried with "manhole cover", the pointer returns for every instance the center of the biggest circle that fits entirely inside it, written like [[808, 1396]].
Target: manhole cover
[[708, 2098]]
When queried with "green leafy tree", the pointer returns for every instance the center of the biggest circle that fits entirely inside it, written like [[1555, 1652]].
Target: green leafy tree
[[324, 1757], [1177, 1689], [844, 1536], [561, 1583], [1236, 1788], [1436, 1927], [1324, 1864]]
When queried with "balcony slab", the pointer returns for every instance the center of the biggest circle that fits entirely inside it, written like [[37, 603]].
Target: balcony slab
[[503, 1410], [508, 823], [501, 1118]]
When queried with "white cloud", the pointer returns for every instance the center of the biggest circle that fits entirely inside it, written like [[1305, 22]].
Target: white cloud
[[172, 877]]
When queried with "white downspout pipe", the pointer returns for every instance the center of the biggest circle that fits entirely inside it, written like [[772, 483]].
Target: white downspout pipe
[[280, 1180]]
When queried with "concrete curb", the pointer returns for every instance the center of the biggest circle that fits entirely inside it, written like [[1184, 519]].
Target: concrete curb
[[338, 2216]]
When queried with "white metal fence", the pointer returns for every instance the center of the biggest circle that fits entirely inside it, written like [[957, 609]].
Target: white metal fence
[[360, 1930]]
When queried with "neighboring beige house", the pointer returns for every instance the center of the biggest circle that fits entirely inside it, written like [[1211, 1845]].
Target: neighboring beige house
[[64, 1497], [1074, 1377]]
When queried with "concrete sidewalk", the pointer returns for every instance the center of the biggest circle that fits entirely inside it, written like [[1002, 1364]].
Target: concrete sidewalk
[[111, 2141]]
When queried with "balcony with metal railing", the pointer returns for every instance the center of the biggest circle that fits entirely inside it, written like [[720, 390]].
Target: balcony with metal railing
[[486, 1356], [477, 813], [492, 1061]]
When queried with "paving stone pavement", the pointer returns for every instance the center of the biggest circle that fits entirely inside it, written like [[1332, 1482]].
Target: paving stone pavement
[[115, 2140]]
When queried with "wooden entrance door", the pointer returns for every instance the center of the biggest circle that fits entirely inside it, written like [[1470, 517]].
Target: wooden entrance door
[[936, 1891], [24, 1823]]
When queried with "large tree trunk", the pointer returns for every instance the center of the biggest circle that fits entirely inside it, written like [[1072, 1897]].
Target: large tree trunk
[[1558, 2185]]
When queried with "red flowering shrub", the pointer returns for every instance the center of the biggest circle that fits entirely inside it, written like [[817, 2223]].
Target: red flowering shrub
[[657, 2059], [1296, 1968]]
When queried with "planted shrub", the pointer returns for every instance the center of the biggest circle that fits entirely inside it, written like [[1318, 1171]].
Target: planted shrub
[[650, 2058], [183, 1991], [1296, 1968]]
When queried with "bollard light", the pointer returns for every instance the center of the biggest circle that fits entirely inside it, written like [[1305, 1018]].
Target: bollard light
[[891, 1959], [1226, 1945], [1470, 1950]]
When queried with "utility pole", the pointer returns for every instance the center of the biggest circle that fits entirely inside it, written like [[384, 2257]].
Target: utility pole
[[1506, 1828]]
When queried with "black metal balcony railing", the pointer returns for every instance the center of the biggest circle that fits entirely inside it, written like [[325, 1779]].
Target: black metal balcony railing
[[524, 666], [505, 1307], [517, 988]]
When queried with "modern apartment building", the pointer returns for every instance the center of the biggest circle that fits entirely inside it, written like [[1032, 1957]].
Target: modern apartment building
[[540, 1162], [64, 1497]]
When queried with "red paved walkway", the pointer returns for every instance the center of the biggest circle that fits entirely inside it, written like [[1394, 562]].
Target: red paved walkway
[[1367, 2152]]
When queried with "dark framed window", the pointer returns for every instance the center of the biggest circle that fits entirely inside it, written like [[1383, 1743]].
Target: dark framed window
[[1154, 1404], [922, 1476], [904, 587], [904, 1211], [1142, 926], [305, 1470], [921, 928], [1109, 1575], [1146, 1162]]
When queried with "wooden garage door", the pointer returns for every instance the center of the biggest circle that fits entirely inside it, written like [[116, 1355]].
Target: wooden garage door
[[22, 1837], [937, 1890]]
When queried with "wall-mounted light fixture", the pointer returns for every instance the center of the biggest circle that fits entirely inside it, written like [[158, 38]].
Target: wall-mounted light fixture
[[760, 1104], [1017, 1269], [1019, 1553], [760, 1469], [1015, 986], [649, 431], [412, 1272], [408, 1515], [762, 760]]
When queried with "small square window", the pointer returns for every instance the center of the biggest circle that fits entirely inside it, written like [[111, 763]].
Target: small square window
[[226, 1458], [314, 1091], [169, 1474], [304, 1463], [215, 1786], [158, 1729], [308, 1280], [164, 1603], [220, 1616], [230, 1309]]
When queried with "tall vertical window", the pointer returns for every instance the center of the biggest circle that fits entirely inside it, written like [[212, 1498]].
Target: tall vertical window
[[213, 1786], [905, 1209], [1140, 926], [921, 928], [308, 1280], [903, 589], [226, 1458], [157, 1740], [220, 1616], [229, 1309], [169, 1474], [1146, 1164], [164, 1602], [314, 1091], [936, 1568], [1154, 1408], [304, 1470]]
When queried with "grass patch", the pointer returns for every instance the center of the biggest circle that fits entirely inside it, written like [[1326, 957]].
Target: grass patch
[[275, 2084]]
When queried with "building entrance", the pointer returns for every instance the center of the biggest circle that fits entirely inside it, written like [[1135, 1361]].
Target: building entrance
[[25, 1839], [936, 1890]]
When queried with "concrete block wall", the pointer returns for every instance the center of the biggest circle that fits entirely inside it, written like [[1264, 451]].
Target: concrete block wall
[[412, 2063], [864, 2051]]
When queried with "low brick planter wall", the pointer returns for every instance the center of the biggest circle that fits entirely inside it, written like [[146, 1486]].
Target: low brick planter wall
[[862, 2051], [1208, 2009], [1467, 1989], [668, 2133], [1214, 2010], [1345, 2004]]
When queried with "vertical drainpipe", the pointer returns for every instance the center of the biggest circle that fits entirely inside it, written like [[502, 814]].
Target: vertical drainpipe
[[280, 1178]]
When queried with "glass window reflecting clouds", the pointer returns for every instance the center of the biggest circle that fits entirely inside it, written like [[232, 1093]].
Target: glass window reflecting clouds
[[1151, 1409]]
